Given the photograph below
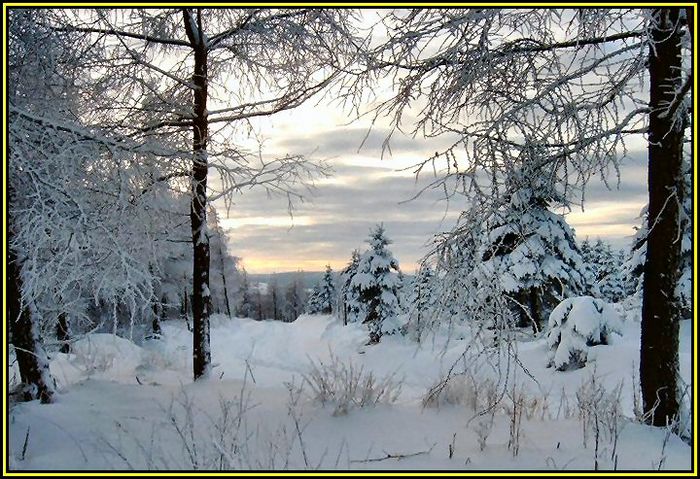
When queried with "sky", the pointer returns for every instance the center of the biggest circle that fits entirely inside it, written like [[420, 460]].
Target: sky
[[367, 189], [371, 186]]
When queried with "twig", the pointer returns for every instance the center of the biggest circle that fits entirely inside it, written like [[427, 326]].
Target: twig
[[394, 456], [26, 443]]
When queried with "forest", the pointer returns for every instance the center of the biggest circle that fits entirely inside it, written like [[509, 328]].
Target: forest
[[137, 340]]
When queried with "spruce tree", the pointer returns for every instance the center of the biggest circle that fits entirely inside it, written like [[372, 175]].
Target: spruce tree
[[530, 250], [378, 286], [421, 300], [349, 298], [603, 271], [322, 299]]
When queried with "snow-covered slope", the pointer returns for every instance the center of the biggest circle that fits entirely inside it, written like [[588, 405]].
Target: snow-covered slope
[[125, 406]]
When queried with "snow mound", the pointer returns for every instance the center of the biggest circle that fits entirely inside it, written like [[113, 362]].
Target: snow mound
[[575, 325], [107, 353]]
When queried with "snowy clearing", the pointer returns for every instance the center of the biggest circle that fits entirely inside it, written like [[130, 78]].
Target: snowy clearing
[[123, 406]]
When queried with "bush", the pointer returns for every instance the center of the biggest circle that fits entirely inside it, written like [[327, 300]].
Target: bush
[[347, 386], [575, 325]]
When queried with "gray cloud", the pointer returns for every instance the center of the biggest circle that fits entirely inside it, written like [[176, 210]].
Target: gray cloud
[[352, 141], [341, 213]]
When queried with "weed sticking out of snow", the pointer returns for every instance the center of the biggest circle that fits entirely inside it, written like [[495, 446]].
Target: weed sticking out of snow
[[346, 385]]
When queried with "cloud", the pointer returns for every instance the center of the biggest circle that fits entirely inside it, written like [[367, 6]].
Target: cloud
[[365, 191]]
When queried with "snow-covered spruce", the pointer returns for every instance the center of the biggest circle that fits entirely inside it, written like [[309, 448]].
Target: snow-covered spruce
[[575, 325], [529, 250], [377, 285], [422, 302], [323, 297], [603, 270], [349, 303]]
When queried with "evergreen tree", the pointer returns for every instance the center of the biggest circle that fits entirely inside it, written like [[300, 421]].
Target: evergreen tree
[[421, 301], [295, 298], [246, 308], [529, 250], [322, 299], [603, 271], [378, 286], [349, 297]]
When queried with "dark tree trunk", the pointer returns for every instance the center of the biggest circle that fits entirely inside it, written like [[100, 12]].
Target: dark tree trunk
[[658, 367], [345, 309], [63, 333], [275, 313], [536, 309], [198, 208], [223, 278], [157, 314], [31, 358]]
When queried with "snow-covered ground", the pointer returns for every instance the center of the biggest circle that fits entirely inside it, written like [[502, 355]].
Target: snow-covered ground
[[124, 406]]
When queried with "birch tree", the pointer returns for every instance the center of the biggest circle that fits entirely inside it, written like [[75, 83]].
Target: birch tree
[[577, 84], [192, 81]]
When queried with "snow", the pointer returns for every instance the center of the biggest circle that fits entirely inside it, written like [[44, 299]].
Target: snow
[[116, 398], [577, 323]]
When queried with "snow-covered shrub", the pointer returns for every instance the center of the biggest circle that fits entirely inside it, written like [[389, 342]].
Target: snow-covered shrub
[[574, 325], [346, 386], [465, 389]]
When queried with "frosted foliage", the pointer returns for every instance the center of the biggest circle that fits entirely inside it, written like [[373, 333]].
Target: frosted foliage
[[604, 270], [529, 251], [377, 284], [633, 267], [323, 297], [575, 325], [422, 302], [349, 302]]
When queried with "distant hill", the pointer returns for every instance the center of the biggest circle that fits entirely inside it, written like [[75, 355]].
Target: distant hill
[[309, 278]]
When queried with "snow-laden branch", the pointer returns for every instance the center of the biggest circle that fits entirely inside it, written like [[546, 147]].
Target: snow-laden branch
[[112, 31]]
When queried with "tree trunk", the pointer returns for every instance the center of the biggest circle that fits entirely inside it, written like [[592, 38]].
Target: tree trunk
[[658, 367], [223, 278], [33, 364], [63, 333], [201, 354], [157, 314]]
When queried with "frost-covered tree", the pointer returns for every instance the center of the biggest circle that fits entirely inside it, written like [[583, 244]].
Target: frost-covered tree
[[80, 231], [275, 298], [421, 301], [295, 298], [348, 296], [576, 83], [530, 250], [245, 308], [377, 281], [167, 77], [323, 297], [603, 270], [224, 277], [633, 266]]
